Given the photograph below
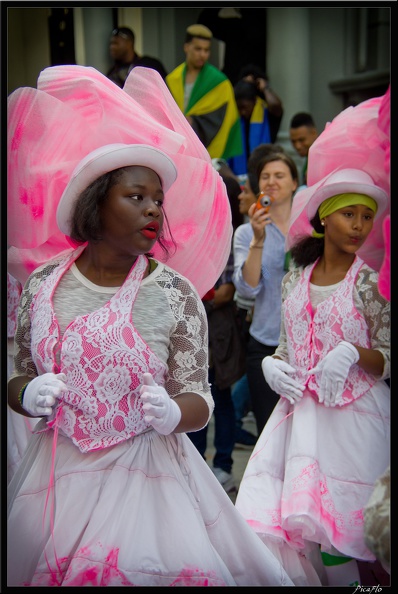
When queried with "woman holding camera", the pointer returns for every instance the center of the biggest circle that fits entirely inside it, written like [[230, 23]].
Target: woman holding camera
[[260, 264]]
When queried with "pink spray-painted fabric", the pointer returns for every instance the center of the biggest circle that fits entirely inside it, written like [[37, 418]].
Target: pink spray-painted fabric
[[118, 520], [311, 335], [384, 274], [316, 485], [353, 140], [384, 124], [88, 415], [76, 109]]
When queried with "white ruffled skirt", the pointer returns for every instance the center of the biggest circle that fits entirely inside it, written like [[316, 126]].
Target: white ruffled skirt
[[147, 512], [310, 475]]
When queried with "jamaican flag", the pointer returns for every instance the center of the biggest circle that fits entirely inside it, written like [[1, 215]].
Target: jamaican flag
[[257, 133], [212, 108]]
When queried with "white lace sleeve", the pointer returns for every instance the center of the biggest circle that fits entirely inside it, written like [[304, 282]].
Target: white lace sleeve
[[376, 311], [22, 355], [188, 358], [288, 283]]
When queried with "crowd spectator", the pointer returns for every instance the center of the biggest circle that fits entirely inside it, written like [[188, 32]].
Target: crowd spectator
[[260, 263], [206, 97], [226, 361], [241, 391], [303, 134], [254, 125], [125, 58], [254, 74]]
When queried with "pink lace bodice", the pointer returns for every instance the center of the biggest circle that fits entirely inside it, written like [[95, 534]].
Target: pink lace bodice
[[312, 335], [103, 357]]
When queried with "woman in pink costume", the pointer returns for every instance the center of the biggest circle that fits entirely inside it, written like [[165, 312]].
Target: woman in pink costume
[[111, 346], [328, 438]]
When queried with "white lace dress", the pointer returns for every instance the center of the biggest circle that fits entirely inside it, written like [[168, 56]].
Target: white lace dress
[[313, 468], [147, 511]]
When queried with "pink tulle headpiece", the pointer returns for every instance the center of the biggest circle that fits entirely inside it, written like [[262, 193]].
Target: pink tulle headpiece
[[384, 125], [353, 142], [76, 110]]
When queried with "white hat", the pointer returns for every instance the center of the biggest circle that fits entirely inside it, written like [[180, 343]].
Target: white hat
[[346, 181], [108, 158]]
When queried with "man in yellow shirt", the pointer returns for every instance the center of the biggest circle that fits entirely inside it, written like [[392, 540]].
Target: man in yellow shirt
[[206, 96]]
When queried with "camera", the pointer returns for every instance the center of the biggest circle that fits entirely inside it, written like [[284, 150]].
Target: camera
[[264, 201]]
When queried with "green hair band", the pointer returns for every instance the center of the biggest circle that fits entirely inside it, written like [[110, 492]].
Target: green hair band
[[334, 203]]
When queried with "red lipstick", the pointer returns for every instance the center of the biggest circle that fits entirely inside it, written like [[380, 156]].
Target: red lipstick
[[151, 230]]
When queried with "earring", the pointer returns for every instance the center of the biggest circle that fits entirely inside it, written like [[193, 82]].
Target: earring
[[323, 223]]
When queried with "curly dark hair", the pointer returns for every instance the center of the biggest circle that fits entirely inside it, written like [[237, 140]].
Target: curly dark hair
[[307, 249], [245, 90], [86, 214]]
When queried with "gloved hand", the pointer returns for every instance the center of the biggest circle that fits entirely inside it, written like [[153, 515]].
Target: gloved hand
[[334, 370], [160, 410], [41, 393], [276, 375]]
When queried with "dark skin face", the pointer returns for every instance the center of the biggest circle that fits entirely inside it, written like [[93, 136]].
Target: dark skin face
[[245, 108], [132, 220], [121, 49], [133, 203], [346, 231], [302, 138]]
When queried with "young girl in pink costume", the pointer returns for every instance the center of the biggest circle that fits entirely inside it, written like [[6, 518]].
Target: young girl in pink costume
[[328, 438], [111, 344]]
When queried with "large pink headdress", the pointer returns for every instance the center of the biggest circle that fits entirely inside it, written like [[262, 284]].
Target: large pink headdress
[[76, 110], [384, 124], [353, 141]]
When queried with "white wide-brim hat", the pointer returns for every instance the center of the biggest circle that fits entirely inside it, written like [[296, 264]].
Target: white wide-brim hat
[[347, 181], [108, 158], [307, 201]]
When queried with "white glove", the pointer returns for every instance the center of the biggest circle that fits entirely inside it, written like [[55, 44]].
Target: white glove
[[334, 370], [160, 410], [276, 375], [41, 393]]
